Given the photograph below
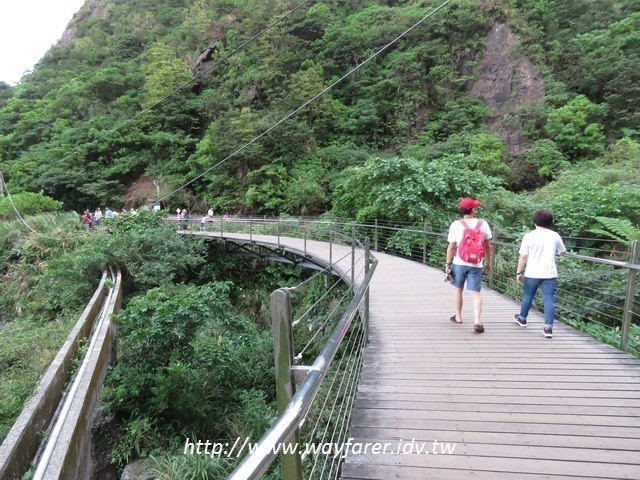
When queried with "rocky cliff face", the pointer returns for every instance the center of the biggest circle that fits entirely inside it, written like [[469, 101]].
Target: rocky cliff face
[[90, 9], [506, 82]]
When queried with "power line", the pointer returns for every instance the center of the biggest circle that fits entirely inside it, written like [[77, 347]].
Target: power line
[[185, 84], [294, 112], [3, 188]]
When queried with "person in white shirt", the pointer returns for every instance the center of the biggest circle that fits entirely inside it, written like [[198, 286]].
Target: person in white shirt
[[467, 272], [538, 251]]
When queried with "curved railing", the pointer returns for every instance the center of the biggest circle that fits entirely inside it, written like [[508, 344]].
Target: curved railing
[[298, 386], [598, 286], [609, 297]]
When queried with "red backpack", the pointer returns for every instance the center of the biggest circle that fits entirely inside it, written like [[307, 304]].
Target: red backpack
[[471, 247]]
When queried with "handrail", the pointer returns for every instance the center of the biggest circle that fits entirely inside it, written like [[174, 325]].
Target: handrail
[[342, 223], [21, 443], [390, 239], [70, 396], [65, 455], [254, 465]]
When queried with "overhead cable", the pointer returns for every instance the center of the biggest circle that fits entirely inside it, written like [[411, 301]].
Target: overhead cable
[[305, 104], [15, 209], [185, 84]]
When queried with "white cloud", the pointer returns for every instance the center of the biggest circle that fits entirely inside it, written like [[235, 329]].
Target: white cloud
[[28, 28]]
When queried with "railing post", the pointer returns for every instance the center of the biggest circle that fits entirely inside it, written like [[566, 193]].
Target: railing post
[[424, 243], [285, 387], [353, 258], [331, 249], [367, 260], [278, 231], [304, 228], [492, 260], [221, 227], [375, 235], [250, 230], [629, 300]]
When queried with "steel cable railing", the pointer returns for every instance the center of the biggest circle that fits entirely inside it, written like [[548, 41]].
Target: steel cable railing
[[611, 301], [339, 360]]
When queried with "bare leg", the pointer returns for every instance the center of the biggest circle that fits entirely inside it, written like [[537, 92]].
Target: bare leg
[[477, 307], [457, 303]]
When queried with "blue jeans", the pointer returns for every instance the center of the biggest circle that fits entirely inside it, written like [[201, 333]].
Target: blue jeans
[[548, 288]]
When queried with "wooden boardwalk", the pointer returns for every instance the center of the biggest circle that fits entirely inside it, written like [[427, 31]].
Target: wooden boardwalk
[[511, 403], [508, 403]]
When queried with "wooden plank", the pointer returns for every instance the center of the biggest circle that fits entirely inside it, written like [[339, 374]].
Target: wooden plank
[[502, 406], [353, 471], [522, 406], [364, 414], [517, 405], [537, 439], [386, 472], [398, 448], [501, 399], [489, 390], [505, 464]]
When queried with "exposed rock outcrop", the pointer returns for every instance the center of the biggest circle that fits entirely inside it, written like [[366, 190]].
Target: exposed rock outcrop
[[506, 82], [91, 9]]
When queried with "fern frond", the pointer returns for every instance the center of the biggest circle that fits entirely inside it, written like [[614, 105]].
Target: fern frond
[[619, 229]]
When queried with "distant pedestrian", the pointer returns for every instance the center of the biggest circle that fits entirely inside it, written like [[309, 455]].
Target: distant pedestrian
[[468, 249], [86, 220], [97, 216], [203, 220], [184, 219], [538, 252]]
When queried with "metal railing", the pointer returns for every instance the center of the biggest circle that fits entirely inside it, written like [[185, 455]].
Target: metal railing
[[306, 416], [592, 291], [598, 288]]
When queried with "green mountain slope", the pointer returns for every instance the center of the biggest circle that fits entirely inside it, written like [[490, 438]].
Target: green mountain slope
[[517, 91]]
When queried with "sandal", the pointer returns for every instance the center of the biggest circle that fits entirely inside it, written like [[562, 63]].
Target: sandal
[[453, 319], [478, 327]]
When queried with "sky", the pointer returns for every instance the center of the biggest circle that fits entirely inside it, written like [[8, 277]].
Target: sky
[[28, 28]]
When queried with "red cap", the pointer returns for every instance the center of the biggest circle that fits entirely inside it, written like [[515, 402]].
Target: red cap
[[468, 203]]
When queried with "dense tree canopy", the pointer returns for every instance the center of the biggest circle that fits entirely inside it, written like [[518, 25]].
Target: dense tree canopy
[[172, 89]]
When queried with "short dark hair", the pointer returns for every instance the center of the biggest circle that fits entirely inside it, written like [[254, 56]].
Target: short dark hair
[[543, 218], [465, 211]]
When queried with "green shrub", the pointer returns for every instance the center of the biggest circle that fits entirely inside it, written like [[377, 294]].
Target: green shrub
[[27, 203], [187, 361]]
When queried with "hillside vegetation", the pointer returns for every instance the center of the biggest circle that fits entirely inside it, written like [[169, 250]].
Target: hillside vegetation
[[497, 99], [522, 103]]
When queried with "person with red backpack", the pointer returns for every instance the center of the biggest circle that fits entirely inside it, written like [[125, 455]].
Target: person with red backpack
[[469, 247]]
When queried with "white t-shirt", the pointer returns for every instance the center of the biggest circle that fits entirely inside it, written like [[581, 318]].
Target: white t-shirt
[[456, 231], [541, 247]]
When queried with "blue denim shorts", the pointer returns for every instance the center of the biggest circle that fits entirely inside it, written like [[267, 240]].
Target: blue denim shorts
[[472, 275]]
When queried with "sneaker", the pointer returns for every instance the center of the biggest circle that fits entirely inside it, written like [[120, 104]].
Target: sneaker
[[520, 320], [548, 332]]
